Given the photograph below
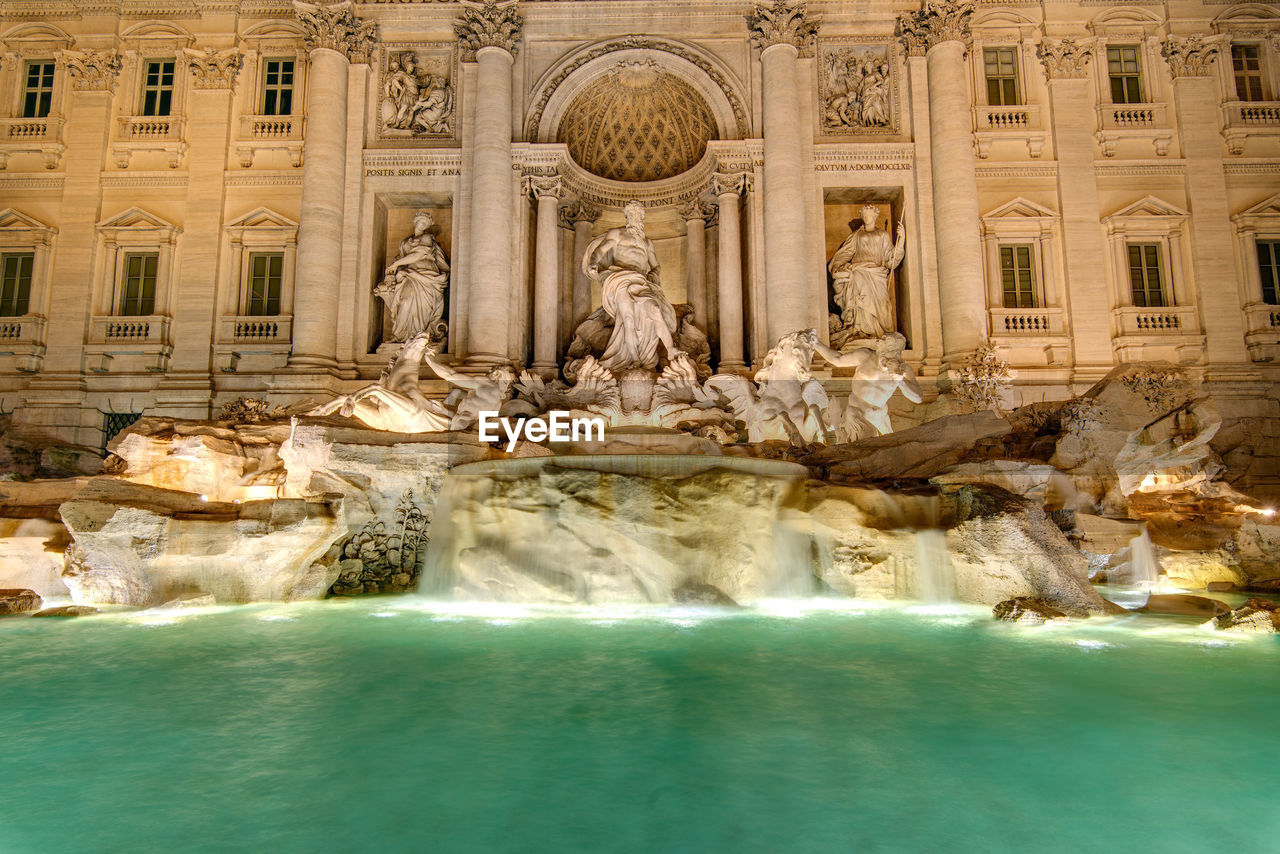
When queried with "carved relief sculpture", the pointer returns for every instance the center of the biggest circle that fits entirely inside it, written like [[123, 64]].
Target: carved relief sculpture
[[491, 23], [855, 88], [860, 271], [414, 284], [416, 98]]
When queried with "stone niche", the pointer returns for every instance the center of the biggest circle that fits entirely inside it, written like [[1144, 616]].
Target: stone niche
[[392, 223], [842, 215]]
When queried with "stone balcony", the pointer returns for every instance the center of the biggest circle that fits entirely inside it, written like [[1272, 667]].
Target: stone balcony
[[1119, 123], [162, 134], [1031, 336], [1015, 124], [32, 136], [1244, 119], [1170, 333], [263, 341], [129, 344], [22, 339], [270, 133], [1262, 331]]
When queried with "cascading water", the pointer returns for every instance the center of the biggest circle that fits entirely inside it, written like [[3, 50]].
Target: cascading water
[[935, 578], [1135, 578]]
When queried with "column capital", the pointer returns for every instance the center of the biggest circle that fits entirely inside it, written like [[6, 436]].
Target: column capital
[[782, 22], [214, 69], [92, 70], [336, 27], [490, 23], [729, 183], [936, 22], [571, 215], [697, 210], [543, 186], [1065, 60], [1188, 56]]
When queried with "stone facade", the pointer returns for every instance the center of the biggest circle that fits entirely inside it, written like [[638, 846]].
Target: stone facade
[[208, 194]]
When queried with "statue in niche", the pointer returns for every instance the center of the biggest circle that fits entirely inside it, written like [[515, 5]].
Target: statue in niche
[[860, 275], [415, 99], [625, 264], [414, 284], [857, 89], [879, 372]]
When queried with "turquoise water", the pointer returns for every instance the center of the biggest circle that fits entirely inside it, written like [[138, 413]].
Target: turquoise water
[[395, 725]]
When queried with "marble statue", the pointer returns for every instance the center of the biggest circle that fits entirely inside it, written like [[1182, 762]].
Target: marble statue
[[787, 402], [625, 264], [860, 274], [414, 284], [397, 404], [419, 102], [880, 372]]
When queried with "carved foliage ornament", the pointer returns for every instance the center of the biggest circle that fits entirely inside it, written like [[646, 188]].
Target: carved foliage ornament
[[337, 28], [725, 183], [93, 71], [544, 186], [492, 23], [214, 69], [939, 21], [1188, 57], [571, 215], [782, 22], [1065, 59]]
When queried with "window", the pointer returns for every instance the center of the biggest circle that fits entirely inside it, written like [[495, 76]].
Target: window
[[1269, 270], [1246, 63], [1001, 65], [1126, 74], [37, 91], [1144, 275], [157, 88], [277, 87], [138, 296], [1017, 276], [15, 285], [266, 273]]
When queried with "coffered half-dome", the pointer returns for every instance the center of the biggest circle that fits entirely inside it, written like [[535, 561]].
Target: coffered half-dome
[[637, 123]]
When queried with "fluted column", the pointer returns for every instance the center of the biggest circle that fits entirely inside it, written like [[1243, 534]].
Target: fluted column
[[727, 188], [781, 29], [546, 191], [580, 217], [941, 32], [695, 223], [1195, 95], [1066, 64], [335, 38], [488, 35]]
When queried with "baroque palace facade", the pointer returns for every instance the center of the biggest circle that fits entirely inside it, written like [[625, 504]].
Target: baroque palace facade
[[200, 199]]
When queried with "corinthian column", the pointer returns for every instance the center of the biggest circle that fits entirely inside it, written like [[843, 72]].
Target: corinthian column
[[580, 217], [1066, 64], [727, 189], [940, 31], [488, 34], [546, 271], [335, 38], [1195, 95], [781, 29], [695, 224]]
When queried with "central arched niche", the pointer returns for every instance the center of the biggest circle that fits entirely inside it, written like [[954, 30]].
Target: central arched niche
[[637, 122]]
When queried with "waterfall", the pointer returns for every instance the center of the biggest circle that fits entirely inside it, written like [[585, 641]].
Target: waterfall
[[1138, 575], [935, 579]]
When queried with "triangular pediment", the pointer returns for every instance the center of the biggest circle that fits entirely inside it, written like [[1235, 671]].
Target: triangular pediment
[[136, 217], [1019, 208], [10, 218], [262, 218], [1149, 206], [1267, 207]]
